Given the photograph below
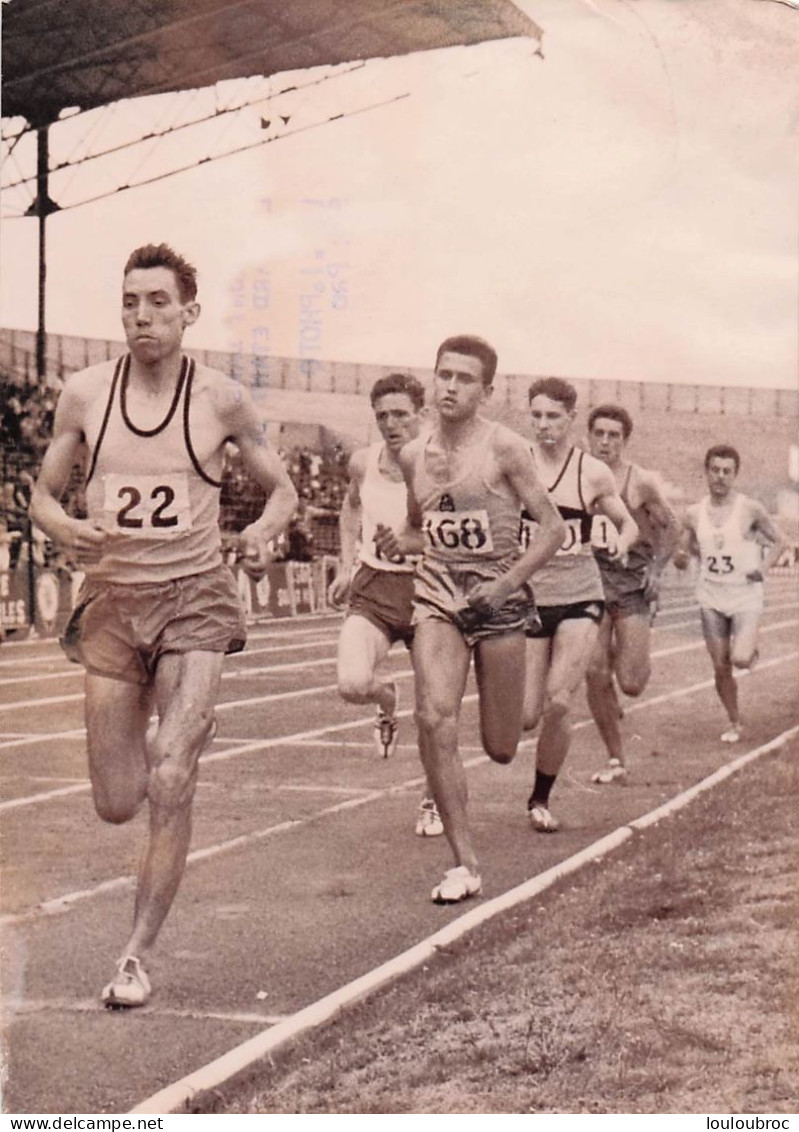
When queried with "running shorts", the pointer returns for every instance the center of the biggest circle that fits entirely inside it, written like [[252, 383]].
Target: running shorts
[[552, 615], [385, 598], [121, 631], [441, 593], [732, 598], [631, 603]]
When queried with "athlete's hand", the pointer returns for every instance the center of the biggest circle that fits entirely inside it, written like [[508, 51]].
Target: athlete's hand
[[339, 588], [489, 596], [755, 576], [86, 539], [255, 552], [387, 543], [617, 551], [652, 587]]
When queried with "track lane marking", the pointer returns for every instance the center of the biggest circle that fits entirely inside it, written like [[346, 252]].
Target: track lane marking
[[64, 903], [221, 1069], [297, 694]]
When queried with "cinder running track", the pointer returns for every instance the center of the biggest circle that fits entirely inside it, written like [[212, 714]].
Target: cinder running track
[[304, 871]]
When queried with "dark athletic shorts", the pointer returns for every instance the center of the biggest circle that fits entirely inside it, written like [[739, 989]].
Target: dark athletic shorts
[[122, 631], [384, 597], [630, 604], [552, 615]]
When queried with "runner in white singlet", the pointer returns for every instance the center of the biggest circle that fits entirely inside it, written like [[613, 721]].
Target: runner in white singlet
[[379, 589], [736, 543], [158, 609]]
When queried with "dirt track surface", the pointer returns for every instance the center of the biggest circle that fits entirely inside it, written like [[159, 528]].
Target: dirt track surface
[[311, 874]]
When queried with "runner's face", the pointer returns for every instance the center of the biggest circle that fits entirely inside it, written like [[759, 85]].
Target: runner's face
[[153, 315], [606, 440], [551, 420], [397, 418], [721, 475], [458, 389]]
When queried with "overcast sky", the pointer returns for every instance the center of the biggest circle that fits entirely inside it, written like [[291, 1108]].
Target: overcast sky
[[624, 207]]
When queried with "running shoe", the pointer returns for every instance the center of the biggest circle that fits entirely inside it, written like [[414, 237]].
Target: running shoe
[[613, 772], [542, 820], [732, 734], [458, 884], [429, 823], [130, 986], [387, 729]]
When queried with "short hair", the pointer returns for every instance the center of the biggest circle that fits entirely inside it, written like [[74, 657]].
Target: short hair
[[724, 452], [161, 255], [399, 383], [555, 388], [473, 347], [612, 413]]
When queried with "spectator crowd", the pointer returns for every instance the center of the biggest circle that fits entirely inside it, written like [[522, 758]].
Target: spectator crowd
[[26, 425]]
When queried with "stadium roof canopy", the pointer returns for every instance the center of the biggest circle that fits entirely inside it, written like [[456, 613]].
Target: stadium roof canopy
[[87, 53]]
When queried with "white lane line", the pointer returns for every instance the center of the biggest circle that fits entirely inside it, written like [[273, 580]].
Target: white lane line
[[245, 747], [221, 1069], [701, 644], [277, 669], [695, 623], [44, 737], [63, 903], [74, 671], [94, 1006], [301, 693], [49, 795]]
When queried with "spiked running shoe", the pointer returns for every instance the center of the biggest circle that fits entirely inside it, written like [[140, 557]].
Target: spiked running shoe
[[130, 986], [542, 820], [613, 772], [429, 823], [387, 729], [458, 884]]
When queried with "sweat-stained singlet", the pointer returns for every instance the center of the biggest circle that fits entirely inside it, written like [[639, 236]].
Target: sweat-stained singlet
[[470, 535], [148, 488]]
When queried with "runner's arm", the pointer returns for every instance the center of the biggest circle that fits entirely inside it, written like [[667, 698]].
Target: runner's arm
[[666, 525], [687, 545], [769, 538], [409, 541], [607, 501], [83, 537], [349, 529], [550, 530], [265, 467]]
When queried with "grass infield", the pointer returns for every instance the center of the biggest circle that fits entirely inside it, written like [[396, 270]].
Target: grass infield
[[662, 979]]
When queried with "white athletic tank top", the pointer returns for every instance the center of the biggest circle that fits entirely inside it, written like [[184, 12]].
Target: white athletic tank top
[[726, 552], [382, 501], [467, 520], [572, 574], [147, 486]]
